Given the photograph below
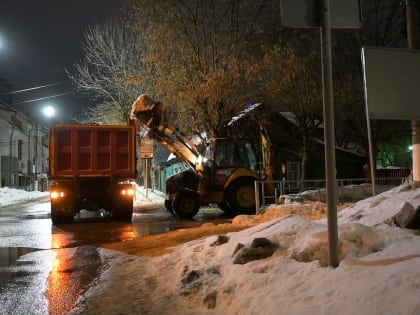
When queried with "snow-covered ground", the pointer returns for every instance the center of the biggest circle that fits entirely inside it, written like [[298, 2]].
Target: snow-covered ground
[[11, 195], [378, 272]]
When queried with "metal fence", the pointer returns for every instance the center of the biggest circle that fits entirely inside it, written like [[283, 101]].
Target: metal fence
[[349, 190]]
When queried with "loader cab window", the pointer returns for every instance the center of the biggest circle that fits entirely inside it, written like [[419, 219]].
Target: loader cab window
[[248, 154], [235, 153]]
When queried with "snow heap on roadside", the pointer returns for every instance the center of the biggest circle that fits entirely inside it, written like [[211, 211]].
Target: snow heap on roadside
[[11, 195], [378, 272], [396, 206]]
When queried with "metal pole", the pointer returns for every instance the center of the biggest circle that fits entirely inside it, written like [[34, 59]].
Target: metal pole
[[146, 180], [413, 37], [371, 159], [11, 178], [257, 197], [330, 170]]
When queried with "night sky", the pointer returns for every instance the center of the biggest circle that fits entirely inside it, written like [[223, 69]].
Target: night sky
[[39, 39]]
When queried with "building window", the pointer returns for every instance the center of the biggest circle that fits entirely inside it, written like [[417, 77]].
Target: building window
[[20, 146]]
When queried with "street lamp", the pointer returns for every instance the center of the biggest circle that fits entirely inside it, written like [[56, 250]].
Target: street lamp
[[49, 111]]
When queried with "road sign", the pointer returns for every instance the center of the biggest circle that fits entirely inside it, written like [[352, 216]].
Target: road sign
[[392, 83], [146, 148], [307, 13]]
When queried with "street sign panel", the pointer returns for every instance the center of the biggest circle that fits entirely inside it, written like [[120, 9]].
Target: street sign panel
[[306, 13], [146, 148], [392, 83]]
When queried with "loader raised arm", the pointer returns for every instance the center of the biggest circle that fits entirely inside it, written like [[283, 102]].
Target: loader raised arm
[[148, 113]]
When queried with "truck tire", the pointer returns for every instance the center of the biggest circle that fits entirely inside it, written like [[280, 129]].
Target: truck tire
[[240, 197], [57, 217], [186, 205], [122, 213]]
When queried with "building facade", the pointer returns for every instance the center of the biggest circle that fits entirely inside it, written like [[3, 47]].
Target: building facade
[[23, 151]]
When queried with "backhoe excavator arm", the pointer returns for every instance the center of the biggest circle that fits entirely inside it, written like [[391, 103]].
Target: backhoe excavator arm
[[148, 113]]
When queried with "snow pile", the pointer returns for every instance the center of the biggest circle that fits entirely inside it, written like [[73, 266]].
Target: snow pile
[[389, 208], [378, 271], [11, 195]]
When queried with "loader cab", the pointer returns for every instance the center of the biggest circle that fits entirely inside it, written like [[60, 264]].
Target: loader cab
[[224, 153]]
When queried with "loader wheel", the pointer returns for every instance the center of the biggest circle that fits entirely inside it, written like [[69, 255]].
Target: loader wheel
[[186, 205], [169, 207], [241, 197]]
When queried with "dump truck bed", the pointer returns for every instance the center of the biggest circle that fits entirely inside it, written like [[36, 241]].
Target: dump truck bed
[[92, 151]]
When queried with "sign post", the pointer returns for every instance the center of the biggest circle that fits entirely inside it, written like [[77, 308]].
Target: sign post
[[146, 152], [320, 14], [329, 136]]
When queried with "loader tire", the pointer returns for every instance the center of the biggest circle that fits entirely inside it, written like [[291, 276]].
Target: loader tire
[[240, 197], [169, 207], [186, 205]]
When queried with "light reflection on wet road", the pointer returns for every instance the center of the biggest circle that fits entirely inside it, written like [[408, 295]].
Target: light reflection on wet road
[[44, 268]]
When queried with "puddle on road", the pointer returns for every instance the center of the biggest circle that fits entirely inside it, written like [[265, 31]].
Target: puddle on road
[[73, 270], [8, 260], [9, 255]]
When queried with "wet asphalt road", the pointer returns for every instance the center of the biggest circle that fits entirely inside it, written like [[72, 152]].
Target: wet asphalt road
[[44, 268]]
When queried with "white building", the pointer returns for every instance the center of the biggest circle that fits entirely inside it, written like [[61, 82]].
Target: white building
[[23, 151]]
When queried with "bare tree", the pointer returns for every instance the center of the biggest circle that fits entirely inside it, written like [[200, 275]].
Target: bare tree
[[203, 57], [109, 72], [294, 80]]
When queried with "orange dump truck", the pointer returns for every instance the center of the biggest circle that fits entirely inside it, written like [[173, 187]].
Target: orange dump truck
[[91, 167]]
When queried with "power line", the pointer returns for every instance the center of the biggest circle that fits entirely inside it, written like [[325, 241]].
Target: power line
[[33, 88], [42, 98]]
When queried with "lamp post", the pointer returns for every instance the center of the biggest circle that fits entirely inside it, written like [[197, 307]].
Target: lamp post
[[49, 113]]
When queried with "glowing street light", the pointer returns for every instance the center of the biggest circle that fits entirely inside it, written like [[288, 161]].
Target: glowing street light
[[49, 111]]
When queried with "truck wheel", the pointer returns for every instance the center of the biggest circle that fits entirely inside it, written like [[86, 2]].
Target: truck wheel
[[241, 197], [58, 218], [122, 213], [186, 205]]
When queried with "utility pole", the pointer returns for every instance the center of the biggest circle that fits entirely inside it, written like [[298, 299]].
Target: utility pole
[[413, 36]]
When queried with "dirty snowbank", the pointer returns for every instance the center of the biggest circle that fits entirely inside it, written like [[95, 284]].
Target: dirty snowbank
[[11, 195], [378, 272]]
